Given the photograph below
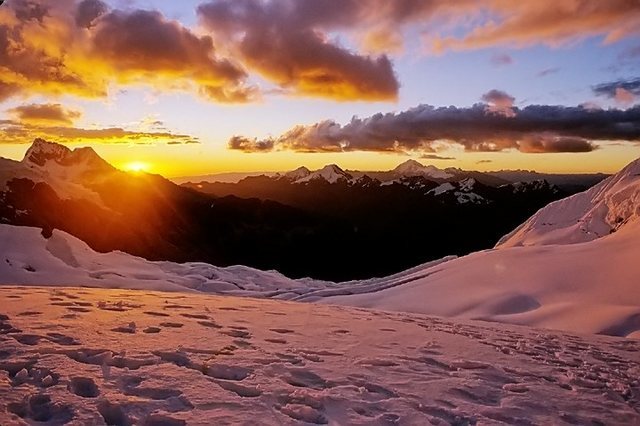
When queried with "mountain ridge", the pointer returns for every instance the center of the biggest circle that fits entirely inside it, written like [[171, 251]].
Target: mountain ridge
[[291, 227]]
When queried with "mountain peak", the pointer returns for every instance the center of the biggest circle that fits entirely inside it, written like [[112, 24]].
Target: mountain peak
[[330, 173], [42, 152], [412, 167], [299, 173], [332, 168]]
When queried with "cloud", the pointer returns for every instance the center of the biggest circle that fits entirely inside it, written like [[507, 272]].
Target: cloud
[[242, 143], [141, 44], [88, 11], [624, 92], [25, 131], [64, 47], [435, 157], [288, 43], [533, 129], [45, 113], [547, 71], [499, 102], [484, 161], [550, 22], [501, 59]]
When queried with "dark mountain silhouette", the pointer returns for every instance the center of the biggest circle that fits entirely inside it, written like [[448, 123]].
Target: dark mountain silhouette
[[324, 224]]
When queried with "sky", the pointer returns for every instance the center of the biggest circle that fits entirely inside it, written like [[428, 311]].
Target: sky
[[195, 87]]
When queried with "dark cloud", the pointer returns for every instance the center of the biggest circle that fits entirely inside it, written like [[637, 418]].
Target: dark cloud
[[45, 113], [287, 42], [142, 42], [484, 161], [435, 157], [533, 129], [88, 11], [242, 143], [622, 91]]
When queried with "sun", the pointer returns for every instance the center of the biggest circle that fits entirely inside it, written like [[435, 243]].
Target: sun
[[137, 167]]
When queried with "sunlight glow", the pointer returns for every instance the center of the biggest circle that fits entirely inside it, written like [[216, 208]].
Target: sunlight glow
[[137, 167]]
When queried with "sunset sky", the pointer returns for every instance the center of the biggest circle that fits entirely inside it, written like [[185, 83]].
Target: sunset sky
[[195, 87]]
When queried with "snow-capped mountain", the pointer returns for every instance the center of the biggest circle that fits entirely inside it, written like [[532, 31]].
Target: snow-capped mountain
[[69, 173], [55, 157], [414, 168], [330, 173], [463, 191], [297, 174], [597, 212]]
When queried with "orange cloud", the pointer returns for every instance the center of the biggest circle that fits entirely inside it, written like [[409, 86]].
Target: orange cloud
[[54, 122], [550, 22], [45, 114], [59, 47], [288, 44]]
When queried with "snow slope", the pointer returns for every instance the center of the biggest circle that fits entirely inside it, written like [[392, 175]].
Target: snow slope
[[94, 357], [586, 216], [589, 287], [572, 266], [26, 257]]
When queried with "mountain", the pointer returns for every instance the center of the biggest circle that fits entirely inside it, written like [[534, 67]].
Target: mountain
[[547, 278], [570, 183], [330, 173], [292, 223], [575, 182], [589, 215], [573, 266], [228, 177], [149, 216], [414, 168]]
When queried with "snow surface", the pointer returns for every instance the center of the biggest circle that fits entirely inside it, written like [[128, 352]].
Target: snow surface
[[441, 189], [586, 216], [28, 258], [94, 356]]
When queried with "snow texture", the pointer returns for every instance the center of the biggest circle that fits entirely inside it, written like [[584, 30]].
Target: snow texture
[[95, 356]]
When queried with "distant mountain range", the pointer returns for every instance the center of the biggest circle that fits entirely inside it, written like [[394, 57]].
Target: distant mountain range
[[413, 168], [327, 224]]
